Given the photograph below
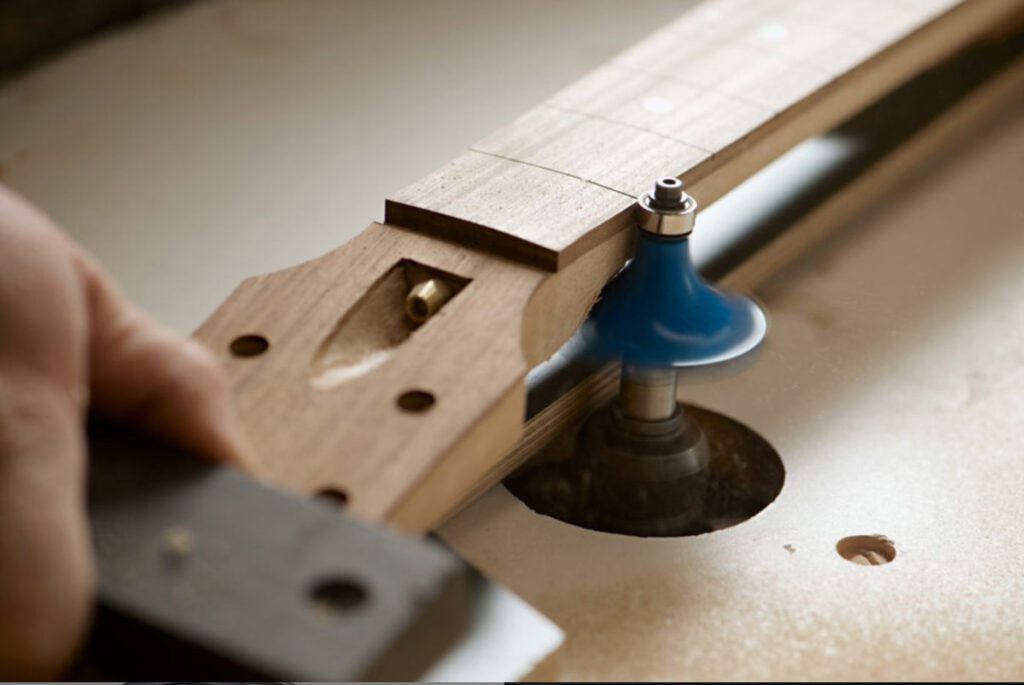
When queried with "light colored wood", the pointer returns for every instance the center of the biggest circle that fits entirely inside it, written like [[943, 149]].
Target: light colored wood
[[711, 98], [602, 152], [321, 405], [312, 431], [531, 201]]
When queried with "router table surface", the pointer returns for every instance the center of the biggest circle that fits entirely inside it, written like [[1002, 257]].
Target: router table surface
[[891, 383]]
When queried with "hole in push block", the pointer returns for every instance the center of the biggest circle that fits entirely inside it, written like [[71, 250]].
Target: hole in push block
[[338, 595]]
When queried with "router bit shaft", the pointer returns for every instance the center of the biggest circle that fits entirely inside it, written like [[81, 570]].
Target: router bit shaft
[[648, 394]]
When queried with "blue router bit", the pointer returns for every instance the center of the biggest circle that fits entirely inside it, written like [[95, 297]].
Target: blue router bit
[[658, 313], [645, 457]]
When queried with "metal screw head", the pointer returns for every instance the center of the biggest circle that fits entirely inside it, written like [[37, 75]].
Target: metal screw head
[[668, 193], [666, 210], [179, 543]]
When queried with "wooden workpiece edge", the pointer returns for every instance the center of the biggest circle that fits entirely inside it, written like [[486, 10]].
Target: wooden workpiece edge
[[485, 226]]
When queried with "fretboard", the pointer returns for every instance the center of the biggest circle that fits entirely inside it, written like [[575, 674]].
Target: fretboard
[[710, 98]]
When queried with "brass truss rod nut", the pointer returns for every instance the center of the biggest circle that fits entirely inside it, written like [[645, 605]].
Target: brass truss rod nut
[[425, 298]]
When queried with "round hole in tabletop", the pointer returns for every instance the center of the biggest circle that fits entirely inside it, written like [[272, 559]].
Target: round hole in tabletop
[[744, 475], [338, 595], [867, 550], [415, 401], [250, 345]]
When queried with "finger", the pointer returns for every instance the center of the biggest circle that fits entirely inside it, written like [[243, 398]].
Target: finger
[[42, 308], [143, 373], [47, 577], [46, 571]]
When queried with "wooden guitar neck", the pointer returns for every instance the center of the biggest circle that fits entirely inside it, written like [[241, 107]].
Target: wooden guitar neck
[[344, 393]]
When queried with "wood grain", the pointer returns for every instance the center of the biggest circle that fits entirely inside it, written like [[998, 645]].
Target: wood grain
[[711, 98], [314, 426], [353, 436], [950, 129]]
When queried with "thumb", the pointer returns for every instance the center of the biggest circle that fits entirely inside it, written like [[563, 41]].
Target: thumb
[[46, 570], [144, 374]]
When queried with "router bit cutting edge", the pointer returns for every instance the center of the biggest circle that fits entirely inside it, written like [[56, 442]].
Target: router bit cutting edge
[[642, 461]]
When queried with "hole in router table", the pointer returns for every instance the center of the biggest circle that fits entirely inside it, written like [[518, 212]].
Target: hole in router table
[[251, 345], [338, 595], [745, 474], [867, 550]]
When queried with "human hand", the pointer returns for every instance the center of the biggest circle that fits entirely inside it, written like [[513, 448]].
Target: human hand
[[71, 343]]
